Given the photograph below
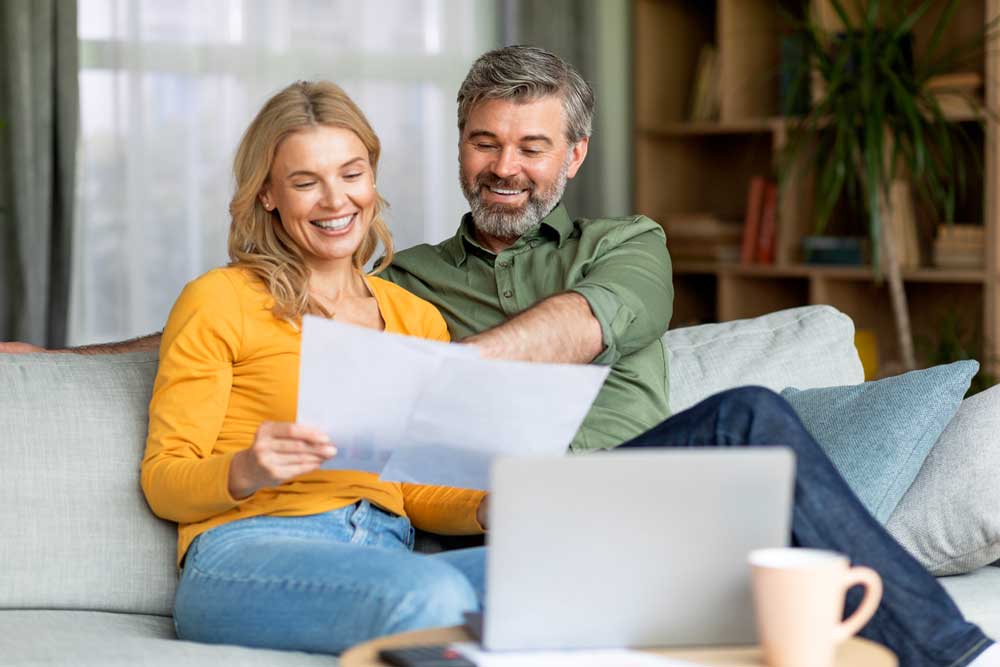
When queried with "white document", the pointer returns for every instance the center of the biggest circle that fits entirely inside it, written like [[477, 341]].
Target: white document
[[434, 413], [585, 658]]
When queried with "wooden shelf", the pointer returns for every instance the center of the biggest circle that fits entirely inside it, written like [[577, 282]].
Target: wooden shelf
[[682, 168], [757, 125], [751, 126], [922, 275]]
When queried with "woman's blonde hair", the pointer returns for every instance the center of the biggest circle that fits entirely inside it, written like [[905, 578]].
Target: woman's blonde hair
[[257, 240]]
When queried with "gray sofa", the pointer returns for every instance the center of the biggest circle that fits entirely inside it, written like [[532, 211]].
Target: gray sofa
[[87, 573]]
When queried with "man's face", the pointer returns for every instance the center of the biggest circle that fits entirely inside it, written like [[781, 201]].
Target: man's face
[[514, 161]]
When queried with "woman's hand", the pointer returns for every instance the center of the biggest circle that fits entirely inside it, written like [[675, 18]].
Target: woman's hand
[[483, 511], [280, 451]]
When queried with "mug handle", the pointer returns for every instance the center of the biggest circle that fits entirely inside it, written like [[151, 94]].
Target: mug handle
[[868, 578]]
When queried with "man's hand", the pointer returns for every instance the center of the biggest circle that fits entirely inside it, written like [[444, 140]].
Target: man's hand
[[483, 512], [15, 347], [280, 451]]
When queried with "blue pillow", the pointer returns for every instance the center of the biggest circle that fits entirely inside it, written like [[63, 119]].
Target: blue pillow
[[878, 433]]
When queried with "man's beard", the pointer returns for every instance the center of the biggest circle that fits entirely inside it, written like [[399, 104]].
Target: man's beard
[[511, 222]]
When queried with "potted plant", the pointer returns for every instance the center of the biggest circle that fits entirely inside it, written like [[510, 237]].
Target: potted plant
[[873, 119]]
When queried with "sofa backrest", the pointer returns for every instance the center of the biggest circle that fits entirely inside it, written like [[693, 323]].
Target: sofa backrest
[[75, 530], [807, 347]]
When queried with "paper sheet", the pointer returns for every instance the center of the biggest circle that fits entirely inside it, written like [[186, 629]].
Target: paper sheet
[[434, 413], [587, 658]]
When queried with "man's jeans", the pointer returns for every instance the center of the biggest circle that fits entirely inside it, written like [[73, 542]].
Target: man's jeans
[[320, 583], [916, 619]]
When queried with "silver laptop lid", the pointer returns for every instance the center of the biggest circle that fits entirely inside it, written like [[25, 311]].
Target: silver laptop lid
[[631, 548]]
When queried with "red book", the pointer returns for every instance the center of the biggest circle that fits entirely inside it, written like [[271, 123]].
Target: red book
[[768, 225], [751, 222]]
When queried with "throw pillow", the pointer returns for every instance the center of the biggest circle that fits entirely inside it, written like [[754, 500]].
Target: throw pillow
[[811, 346], [878, 433], [950, 518]]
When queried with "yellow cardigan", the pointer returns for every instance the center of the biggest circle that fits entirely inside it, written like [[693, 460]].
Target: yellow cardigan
[[226, 365]]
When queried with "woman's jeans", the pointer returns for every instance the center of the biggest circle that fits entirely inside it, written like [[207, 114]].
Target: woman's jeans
[[916, 619], [320, 583]]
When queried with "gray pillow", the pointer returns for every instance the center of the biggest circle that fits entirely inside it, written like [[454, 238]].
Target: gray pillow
[[949, 519]]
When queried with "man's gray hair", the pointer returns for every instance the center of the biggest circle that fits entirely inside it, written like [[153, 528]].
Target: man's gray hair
[[527, 74]]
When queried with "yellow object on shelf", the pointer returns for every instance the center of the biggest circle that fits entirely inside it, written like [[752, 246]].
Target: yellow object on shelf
[[867, 344]]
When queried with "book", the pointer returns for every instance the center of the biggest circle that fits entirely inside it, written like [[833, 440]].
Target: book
[[766, 237], [751, 221], [901, 225], [963, 81], [705, 98]]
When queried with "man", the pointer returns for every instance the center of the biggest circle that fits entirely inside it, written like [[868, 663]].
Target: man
[[522, 280]]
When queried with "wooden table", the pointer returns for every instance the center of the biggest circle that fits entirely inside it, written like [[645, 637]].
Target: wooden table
[[855, 652]]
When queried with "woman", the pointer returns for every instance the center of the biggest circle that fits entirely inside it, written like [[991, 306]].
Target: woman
[[276, 552]]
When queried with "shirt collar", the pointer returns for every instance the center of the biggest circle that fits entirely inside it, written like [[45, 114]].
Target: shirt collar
[[557, 220]]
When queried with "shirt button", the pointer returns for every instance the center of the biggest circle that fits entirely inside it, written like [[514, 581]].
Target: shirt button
[[508, 294], [504, 265]]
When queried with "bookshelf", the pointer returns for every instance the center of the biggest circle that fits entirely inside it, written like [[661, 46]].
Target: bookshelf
[[685, 168]]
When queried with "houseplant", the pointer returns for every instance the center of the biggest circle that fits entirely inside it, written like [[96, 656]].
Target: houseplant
[[874, 119]]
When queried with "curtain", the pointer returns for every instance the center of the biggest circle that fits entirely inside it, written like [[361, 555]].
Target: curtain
[[39, 116], [167, 89], [594, 36]]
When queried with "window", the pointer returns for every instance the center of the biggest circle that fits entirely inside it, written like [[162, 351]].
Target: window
[[167, 88]]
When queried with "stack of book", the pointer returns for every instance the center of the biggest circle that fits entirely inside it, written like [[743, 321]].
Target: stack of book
[[958, 94], [960, 247], [706, 97], [702, 237], [760, 224]]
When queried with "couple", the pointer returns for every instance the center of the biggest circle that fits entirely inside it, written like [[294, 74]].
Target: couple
[[276, 552]]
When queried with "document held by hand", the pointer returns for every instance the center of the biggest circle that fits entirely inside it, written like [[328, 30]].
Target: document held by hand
[[433, 413]]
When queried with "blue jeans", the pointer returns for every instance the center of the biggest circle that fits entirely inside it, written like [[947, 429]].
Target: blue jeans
[[320, 583], [916, 619]]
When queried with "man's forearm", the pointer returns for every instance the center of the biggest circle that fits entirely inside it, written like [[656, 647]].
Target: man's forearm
[[560, 329], [150, 342], [140, 344]]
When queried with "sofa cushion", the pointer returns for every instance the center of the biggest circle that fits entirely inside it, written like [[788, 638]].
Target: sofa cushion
[[97, 639], [950, 518], [77, 533], [879, 433], [806, 347], [976, 594]]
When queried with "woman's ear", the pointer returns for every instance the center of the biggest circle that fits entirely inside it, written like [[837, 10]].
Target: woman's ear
[[265, 198]]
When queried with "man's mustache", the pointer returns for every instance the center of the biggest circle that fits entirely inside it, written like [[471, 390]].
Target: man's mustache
[[490, 181]]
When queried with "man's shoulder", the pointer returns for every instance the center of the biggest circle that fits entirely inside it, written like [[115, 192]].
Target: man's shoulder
[[619, 229]]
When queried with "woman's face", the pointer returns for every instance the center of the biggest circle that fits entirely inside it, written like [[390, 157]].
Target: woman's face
[[323, 188]]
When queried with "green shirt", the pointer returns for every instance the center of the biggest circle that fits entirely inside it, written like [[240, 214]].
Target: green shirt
[[619, 265]]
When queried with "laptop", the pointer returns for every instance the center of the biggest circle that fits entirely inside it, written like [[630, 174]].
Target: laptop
[[634, 548]]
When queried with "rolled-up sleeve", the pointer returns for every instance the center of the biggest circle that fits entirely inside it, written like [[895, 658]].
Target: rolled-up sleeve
[[629, 286]]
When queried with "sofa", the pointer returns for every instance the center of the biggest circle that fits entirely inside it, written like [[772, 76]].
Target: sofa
[[87, 574]]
